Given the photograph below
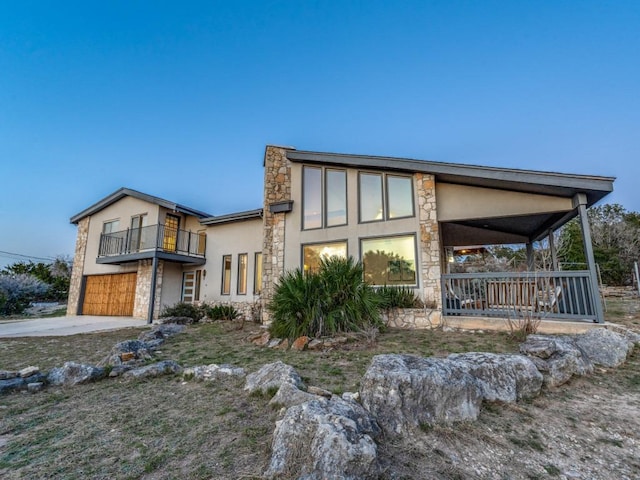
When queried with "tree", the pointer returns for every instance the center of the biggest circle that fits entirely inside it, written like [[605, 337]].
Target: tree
[[56, 275]]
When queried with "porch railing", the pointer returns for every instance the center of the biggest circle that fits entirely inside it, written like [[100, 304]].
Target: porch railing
[[150, 238], [563, 295]]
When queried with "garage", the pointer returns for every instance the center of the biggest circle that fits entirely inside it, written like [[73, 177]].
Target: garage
[[111, 295]]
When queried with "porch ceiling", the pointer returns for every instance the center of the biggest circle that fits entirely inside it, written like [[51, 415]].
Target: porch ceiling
[[501, 230]]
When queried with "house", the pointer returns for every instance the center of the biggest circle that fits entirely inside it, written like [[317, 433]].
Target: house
[[401, 217]]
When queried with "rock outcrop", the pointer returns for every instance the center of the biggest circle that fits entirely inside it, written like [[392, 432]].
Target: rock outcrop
[[324, 439], [165, 367], [404, 392], [72, 373], [273, 375]]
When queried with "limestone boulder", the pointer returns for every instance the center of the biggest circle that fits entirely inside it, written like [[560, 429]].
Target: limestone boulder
[[213, 372], [504, 378], [289, 395], [126, 351], [273, 375], [161, 332], [72, 373], [558, 358], [165, 367], [404, 392], [324, 439], [605, 347], [7, 374], [177, 320], [14, 384]]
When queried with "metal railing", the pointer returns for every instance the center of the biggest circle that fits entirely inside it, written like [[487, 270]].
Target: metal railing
[[151, 238], [564, 295]]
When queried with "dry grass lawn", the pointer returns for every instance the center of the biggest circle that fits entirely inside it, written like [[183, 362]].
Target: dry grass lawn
[[167, 428]]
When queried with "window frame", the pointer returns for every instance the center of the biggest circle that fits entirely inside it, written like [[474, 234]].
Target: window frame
[[110, 222], [224, 271], [330, 242], [324, 197], [416, 262], [384, 185], [242, 273]]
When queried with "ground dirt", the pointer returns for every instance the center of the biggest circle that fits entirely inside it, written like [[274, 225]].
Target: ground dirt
[[167, 428]]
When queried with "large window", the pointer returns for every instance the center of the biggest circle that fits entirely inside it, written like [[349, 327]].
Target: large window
[[242, 274], [389, 260], [324, 198], [257, 274], [312, 254], [226, 275], [384, 197]]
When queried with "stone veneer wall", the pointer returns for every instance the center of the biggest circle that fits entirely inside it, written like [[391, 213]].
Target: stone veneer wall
[[75, 284], [143, 289], [277, 188], [413, 318], [429, 243]]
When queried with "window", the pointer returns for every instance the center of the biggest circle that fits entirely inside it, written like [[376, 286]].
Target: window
[[399, 197], [242, 274], [312, 198], [137, 237], [384, 197], [191, 286], [389, 260], [226, 275], [336, 197], [170, 237], [257, 274], [202, 242], [312, 254], [324, 201], [111, 226]]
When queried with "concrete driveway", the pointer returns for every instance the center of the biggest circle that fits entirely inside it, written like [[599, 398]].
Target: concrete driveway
[[70, 325]]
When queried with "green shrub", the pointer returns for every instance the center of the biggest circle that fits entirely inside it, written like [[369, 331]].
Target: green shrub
[[220, 312], [333, 300], [182, 309], [397, 297]]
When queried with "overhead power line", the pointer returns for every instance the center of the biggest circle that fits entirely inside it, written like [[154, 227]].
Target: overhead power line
[[19, 256]]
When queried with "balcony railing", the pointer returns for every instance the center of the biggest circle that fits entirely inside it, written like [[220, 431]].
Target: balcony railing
[[152, 238], [563, 295]]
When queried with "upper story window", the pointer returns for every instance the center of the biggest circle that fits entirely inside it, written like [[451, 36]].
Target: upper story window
[[324, 197], [111, 226], [384, 196]]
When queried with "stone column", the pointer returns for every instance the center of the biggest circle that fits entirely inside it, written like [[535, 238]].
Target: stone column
[[277, 188], [75, 284], [429, 241], [143, 289]]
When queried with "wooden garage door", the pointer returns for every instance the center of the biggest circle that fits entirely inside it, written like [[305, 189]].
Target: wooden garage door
[[109, 295]]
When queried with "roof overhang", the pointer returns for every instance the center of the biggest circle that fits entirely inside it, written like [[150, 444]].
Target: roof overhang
[[233, 217], [527, 181], [128, 192]]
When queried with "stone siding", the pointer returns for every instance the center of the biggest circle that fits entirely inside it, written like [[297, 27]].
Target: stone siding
[[75, 284], [429, 243], [143, 289], [277, 188], [413, 318]]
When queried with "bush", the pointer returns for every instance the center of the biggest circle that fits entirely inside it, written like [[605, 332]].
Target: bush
[[398, 297], [333, 300], [220, 312], [182, 309], [18, 291]]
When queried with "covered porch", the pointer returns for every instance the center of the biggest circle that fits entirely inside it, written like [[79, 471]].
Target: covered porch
[[521, 208]]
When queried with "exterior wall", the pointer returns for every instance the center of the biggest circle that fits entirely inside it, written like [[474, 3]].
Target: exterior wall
[[462, 202], [122, 210], [230, 239], [277, 188], [171, 286], [430, 245], [413, 318], [75, 285]]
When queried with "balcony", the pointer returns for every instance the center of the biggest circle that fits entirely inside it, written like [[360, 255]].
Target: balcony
[[152, 241]]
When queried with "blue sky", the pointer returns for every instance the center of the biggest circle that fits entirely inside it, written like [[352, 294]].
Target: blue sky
[[178, 99]]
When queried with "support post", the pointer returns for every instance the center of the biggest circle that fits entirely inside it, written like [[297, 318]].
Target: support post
[[152, 290], [552, 248], [530, 259], [580, 202], [635, 267]]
